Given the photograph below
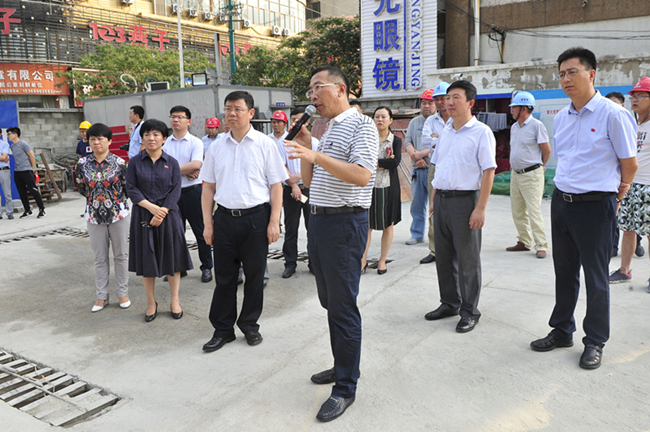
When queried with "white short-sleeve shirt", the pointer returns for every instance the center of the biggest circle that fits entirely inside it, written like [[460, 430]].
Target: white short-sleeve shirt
[[187, 149]]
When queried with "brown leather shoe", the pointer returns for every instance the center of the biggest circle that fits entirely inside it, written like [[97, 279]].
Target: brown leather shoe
[[541, 254], [519, 247]]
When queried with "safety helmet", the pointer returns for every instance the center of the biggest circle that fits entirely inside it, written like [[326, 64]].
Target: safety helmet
[[642, 86], [427, 94], [523, 98], [280, 115], [441, 89], [212, 122], [85, 125]]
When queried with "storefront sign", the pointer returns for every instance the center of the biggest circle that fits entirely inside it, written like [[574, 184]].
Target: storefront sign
[[6, 20], [134, 35], [395, 53], [31, 79], [239, 49]]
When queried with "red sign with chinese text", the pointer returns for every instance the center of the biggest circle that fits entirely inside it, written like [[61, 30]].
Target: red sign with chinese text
[[134, 34], [32, 79]]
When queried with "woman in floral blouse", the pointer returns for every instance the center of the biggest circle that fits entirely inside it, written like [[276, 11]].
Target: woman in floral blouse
[[101, 178]]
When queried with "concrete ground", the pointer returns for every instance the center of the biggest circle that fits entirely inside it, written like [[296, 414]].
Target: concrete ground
[[416, 375]]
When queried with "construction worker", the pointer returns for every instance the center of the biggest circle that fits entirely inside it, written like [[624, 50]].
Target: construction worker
[[83, 147], [212, 130]]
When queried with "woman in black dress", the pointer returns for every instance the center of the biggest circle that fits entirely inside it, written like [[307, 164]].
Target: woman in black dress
[[386, 208], [157, 246]]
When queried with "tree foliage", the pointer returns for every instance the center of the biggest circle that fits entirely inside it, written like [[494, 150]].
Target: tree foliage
[[332, 41], [145, 65]]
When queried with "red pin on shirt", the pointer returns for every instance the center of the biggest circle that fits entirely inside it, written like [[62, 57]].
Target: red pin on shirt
[[593, 130]]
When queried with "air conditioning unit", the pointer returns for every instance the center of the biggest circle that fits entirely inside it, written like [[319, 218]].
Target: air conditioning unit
[[246, 23], [192, 12], [222, 19], [207, 16], [174, 9], [286, 32], [127, 2], [275, 31]]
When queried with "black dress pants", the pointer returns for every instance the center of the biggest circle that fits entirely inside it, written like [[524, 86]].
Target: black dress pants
[[239, 241], [25, 183], [292, 210], [190, 207]]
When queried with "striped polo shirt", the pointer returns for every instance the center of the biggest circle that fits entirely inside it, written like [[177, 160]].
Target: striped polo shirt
[[353, 138]]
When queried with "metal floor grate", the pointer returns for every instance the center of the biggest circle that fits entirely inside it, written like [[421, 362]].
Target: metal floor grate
[[53, 397], [73, 232]]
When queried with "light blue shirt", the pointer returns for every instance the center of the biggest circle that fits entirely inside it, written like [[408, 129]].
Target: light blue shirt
[[207, 142], [589, 144], [135, 141], [4, 148]]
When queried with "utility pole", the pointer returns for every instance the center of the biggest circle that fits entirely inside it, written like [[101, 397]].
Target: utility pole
[[232, 11], [179, 10]]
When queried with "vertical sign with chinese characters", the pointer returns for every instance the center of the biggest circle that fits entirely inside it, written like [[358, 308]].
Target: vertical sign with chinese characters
[[395, 53], [31, 79]]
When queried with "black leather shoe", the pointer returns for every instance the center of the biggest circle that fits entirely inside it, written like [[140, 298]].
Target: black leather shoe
[[325, 377], [149, 318], [428, 259], [591, 357], [41, 213], [381, 272], [206, 275], [253, 337], [288, 272], [443, 311], [176, 315], [333, 407], [217, 342], [550, 342], [466, 324], [25, 214]]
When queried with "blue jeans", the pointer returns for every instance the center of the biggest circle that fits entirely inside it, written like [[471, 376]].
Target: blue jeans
[[419, 203]]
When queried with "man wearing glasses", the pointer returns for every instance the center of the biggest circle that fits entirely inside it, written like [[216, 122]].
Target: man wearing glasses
[[340, 175], [595, 144], [188, 151], [243, 175]]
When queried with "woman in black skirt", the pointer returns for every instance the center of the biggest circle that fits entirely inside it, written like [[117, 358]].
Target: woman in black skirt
[[157, 245], [386, 208]]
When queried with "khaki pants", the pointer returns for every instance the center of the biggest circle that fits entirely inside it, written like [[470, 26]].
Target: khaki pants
[[102, 237], [526, 191], [432, 244]]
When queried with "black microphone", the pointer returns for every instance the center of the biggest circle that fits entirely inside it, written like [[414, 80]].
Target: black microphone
[[309, 111]]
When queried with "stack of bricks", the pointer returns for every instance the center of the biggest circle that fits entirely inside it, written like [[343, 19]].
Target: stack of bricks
[[53, 129]]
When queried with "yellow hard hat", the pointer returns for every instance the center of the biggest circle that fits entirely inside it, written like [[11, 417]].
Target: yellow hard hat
[[85, 125]]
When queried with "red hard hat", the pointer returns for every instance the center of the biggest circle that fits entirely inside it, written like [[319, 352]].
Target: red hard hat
[[427, 94], [280, 115], [642, 86], [212, 122]]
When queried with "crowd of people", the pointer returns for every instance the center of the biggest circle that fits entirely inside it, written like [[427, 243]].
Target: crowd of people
[[233, 187]]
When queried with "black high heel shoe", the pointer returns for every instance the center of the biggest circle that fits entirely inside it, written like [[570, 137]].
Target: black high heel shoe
[[149, 318], [176, 315], [364, 268]]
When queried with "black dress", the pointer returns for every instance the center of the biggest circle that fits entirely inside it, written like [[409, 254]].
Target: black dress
[[386, 207], [162, 250]]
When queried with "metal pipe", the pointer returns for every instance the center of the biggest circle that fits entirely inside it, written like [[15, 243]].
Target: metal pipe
[[477, 32], [179, 10]]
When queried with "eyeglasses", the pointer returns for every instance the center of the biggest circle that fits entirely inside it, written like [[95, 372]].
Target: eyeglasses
[[177, 117], [570, 73], [238, 110], [317, 88], [638, 97]]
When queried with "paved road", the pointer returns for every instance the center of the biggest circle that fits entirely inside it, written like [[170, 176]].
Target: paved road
[[416, 375]]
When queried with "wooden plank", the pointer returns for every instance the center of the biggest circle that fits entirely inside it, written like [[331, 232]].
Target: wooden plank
[[99, 405], [17, 391], [72, 389], [40, 373], [26, 398], [5, 358], [82, 396], [49, 174], [36, 404]]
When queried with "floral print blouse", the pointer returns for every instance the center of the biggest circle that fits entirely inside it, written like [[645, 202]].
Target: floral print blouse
[[104, 186]]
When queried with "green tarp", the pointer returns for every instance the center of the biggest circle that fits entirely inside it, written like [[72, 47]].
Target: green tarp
[[501, 184]]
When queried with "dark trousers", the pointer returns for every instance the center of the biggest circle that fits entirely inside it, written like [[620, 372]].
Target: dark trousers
[[190, 206], [336, 245], [292, 210], [237, 241], [25, 183], [458, 253], [582, 237]]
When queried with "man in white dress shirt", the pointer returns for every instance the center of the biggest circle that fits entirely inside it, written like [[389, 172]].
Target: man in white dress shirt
[[188, 151], [465, 160], [595, 144], [243, 175]]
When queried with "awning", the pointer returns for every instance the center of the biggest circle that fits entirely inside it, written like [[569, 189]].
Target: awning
[[503, 93]]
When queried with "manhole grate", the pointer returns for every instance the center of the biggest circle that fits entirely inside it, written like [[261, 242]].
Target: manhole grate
[[73, 232], [53, 397]]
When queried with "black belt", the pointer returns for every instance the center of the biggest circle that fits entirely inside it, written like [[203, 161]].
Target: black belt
[[314, 209], [454, 193], [5, 168], [530, 168], [242, 212], [189, 188], [301, 186], [589, 196]]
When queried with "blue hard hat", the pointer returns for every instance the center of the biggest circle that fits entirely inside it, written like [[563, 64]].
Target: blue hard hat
[[523, 98], [440, 89]]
